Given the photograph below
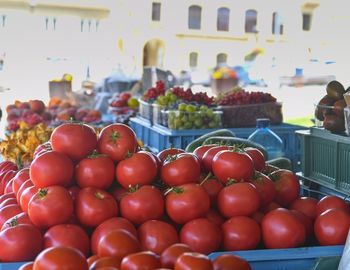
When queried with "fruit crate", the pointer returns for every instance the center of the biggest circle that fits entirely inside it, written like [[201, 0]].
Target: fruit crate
[[146, 110], [158, 137], [325, 158]]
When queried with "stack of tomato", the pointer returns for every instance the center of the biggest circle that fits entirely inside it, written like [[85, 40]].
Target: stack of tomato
[[101, 196]]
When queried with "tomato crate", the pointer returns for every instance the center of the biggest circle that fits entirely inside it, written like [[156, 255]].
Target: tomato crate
[[325, 158]]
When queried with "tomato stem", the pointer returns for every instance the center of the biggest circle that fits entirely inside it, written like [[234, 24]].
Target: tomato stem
[[206, 178], [42, 193], [231, 181], [13, 222], [115, 135], [133, 189], [170, 158], [99, 195]]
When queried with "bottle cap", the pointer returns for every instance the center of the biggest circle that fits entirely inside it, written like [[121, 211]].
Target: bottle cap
[[262, 122]]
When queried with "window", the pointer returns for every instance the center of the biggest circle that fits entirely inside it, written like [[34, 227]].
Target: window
[[306, 22], [193, 59], [221, 59], [277, 24], [156, 11], [194, 17], [251, 21], [223, 19]]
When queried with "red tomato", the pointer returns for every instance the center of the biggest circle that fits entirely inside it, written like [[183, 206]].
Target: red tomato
[[287, 186], [75, 140], [144, 204], [8, 188], [7, 196], [139, 169], [209, 155], [73, 191], [95, 171], [21, 218], [187, 202], [201, 150], [230, 262], [266, 188], [93, 206], [240, 199], [50, 206], [212, 187], [331, 202], [201, 235], [25, 185], [27, 194], [92, 259], [7, 202], [111, 261], [118, 193], [20, 243], [156, 236], [118, 243], [145, 260], [332, 227], [214, 216], [258, 217], [307, 222], [170, 255], [5, 178], [282, 229], [67, 235], [8, 212], [257, 157], [19, 179], [116, 141], [164, 154], [191, 261], [42, 148], [305, 205], [109, 225], [50, 169], [7, 166], [60, 258], [180, 169], [271, 206], [27, 266], [241, 233]]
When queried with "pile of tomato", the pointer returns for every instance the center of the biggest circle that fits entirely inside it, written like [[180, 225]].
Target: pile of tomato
[[98, 201]]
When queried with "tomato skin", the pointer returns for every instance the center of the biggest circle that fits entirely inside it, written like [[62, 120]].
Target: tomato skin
[[116, 140], [67, 235], [282, 229], [287, 187], [75, 140], [331, 202], [5, 178], [50, 169], [201, 235], [192, 260], [187, 202], [307, 222], [201, 150], [156, 236], [7, 166], [114, 223], [111, 261], [27, 266], [118, 193], [257, 156], [162, 155], [8, 212], [183, 169], [7, 202], [92, 259], [28, 243], [95, 171], [332, 227], [25, 185], [144, 204], [145, 260], [21, 176], [93, 206], [240, 199], [57, 258], [21, 218], [207, 159], [265, 187], [241, 233], [139, 169], [7, 196], [170, 255], [215, 217], [230, 262], [50, 206], [271, 206], [213, 188], [305, 205], [258, 217], [8, 187], [27, 194]]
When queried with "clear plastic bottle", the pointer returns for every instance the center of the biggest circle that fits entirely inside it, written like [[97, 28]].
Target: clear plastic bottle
[[267, 138]]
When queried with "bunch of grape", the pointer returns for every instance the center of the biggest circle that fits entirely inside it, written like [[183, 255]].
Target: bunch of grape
[[189, 116], [151, 94], [187, 95], [244, 98], [168, 99]]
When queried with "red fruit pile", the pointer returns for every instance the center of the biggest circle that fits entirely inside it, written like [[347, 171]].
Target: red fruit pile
[[152, 93], [242, 97], [188, 95]]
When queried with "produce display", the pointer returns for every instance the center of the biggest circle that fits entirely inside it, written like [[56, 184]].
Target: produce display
[[123, 106]]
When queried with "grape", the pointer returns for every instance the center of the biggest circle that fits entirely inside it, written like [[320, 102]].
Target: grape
[[190, 108], [182, 106], [198, 122], [188, 125]]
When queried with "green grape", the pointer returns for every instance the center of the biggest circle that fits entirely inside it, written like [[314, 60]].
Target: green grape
[[198, 122], [177, 123], [217, 118], [203, 108], [192, 117], [173, 98], [210, 113], [184, 118], [188, 125], [182, 107], [168, 93], [191, 108], [212, 124]]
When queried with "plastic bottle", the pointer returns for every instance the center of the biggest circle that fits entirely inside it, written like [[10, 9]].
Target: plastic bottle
[[267, 138]]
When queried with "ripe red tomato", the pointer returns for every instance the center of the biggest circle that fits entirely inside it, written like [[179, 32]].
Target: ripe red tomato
[[239, 199], [7, 196], [21, 176], [201, 235], [116, 141], [241, 233], [282, 229], [95, 171], [42, 148], [51, 168], [27, 194], [144, 204], [93, 206], [331, 202], [21, 218], [7, 166], [156, 236], [192, 260], [287, 186], [230, 262], [118, 193], [92, 259], [201, 150], [266, 188], [170, 255], [60, 258], [258, 217], [7, 202], [50, 206], [305, 205], [257, 157], [271, 206], [5, 178], [139, 169], [180, 169], [27, 266], [8, 187], [145, 260], [212, 187], [101, 263], [164, 154], [109, 225], [332, 227], [25, 185], [214, 216], [187, 202], [307, 222], [20, 243], [209, 155], [73, 191], [8, 212], [75, 140], [118, 243]]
